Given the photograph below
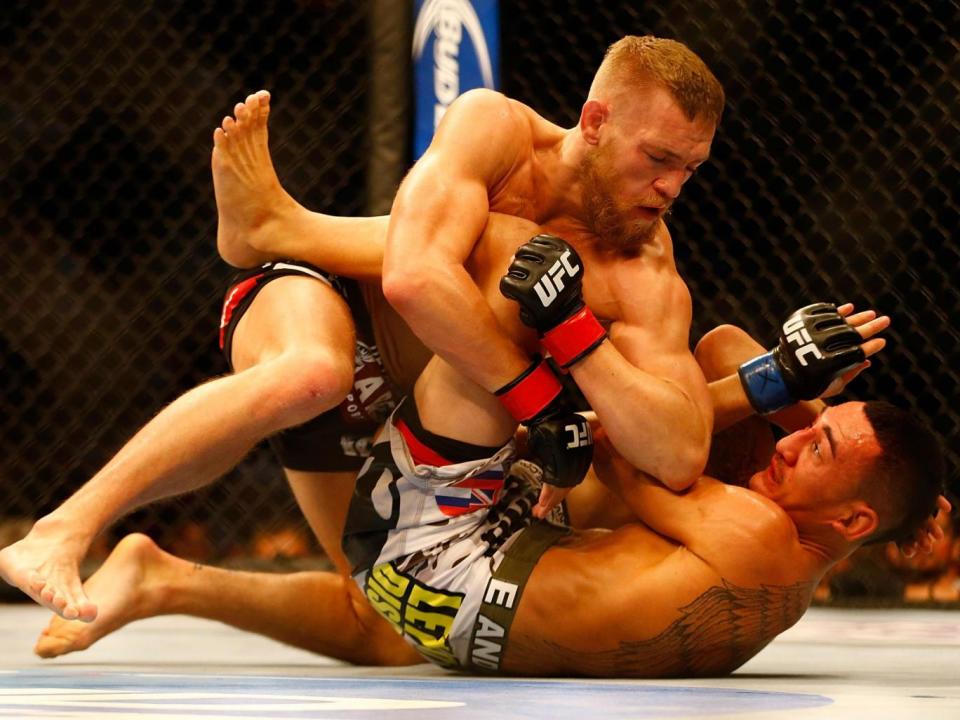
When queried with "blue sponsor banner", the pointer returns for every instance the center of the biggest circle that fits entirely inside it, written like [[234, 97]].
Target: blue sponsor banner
[[456, 47]]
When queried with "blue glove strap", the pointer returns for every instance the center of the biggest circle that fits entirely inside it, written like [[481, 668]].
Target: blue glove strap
[[763, 382]]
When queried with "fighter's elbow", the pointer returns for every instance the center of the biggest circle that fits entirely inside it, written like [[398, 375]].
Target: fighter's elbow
[[686, 467], [405, 284], [678, 482]]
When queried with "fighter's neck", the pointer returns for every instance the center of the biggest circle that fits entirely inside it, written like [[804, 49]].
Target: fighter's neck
[[558, 188], [822, 552]]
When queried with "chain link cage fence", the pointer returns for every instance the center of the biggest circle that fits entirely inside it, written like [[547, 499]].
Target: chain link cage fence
[[833, 176], [111, 285]]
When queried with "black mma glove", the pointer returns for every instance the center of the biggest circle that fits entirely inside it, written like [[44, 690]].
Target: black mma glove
[[816, 346], [546, 279], [560, 440], [561, 443]]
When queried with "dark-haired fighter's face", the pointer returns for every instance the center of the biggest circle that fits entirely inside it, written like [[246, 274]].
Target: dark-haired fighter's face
[[817, 469]]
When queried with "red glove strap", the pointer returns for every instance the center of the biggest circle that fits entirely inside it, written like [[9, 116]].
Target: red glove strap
[[574, 338], [530, 392]]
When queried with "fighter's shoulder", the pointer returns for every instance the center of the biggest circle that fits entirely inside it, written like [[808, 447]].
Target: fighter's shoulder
[[760, 516], [757, 529], [490, 109], [484, 127]]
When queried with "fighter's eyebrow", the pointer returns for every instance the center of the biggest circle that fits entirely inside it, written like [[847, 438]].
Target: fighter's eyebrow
[[829, 433], [674, 156]]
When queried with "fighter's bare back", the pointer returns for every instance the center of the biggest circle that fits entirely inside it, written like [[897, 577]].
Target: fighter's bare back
[[637, 602]]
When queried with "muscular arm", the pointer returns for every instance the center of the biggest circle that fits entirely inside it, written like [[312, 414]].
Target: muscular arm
[[721, 524], [648, 391], [439, 213]]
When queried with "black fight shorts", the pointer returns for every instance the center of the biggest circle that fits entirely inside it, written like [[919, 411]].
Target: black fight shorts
[[339, 439]]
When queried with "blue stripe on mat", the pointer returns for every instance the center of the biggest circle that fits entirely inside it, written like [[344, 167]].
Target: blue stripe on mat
[[120, 695]]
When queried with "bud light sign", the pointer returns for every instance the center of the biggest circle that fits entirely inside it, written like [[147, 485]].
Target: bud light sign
[[456, 47]]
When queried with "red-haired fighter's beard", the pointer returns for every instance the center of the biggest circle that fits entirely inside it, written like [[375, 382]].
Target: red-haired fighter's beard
[[611, 221]]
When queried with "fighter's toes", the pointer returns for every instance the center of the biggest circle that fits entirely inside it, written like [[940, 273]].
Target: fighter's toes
[[86, 611], [242, 113], [48, 596], [36, 582], [60, 639], [264, 99]]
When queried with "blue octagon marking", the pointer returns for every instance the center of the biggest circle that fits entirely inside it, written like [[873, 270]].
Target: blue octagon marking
[[239, 696]]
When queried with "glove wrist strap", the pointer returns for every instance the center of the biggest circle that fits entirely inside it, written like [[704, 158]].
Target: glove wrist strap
[[530, 392], [574, 338], [764, 384]]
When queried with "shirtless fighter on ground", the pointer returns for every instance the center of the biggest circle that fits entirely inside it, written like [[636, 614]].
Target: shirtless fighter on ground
[[694, 583]]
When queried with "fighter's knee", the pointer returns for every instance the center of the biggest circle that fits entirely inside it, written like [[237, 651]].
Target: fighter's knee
[[721, 351], [309, 381], [378, 642], [324, 373]]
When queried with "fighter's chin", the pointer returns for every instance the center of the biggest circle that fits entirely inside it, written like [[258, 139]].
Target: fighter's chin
[[628, 237], [763, 483], [757, 484]]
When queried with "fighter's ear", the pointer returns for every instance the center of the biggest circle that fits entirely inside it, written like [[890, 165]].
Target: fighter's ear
[[858, 522], [592, 116]]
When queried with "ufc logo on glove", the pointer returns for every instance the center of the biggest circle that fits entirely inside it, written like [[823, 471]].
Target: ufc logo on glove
[[784, 375], [551, 284], [795, 332], [580, 435]]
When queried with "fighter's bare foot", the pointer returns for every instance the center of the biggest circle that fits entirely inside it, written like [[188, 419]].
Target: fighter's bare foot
[[45, 565], [127, 587], [247, 189]]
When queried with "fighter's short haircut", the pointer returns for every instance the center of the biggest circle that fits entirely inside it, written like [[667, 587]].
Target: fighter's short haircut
[[634, 60], [907, 477]]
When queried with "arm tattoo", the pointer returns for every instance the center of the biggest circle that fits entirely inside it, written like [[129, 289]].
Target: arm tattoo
[[713, 635]]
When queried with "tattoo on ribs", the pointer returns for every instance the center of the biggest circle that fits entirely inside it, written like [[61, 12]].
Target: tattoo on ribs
[[714, 634]]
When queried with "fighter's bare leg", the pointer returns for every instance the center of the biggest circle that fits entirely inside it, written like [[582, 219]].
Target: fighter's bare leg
[[258, 220], [324, 498], [297, 363], [320, 612], [138, 581], [272, 324]]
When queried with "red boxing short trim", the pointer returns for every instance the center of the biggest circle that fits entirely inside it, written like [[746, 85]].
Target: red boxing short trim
[[236, 295], [574, 338], [532, 390], [421, 454]]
